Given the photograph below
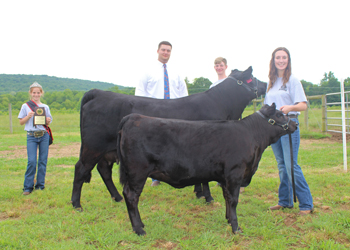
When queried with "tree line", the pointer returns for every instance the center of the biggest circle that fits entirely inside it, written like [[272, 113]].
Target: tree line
[[18, 83], [69, 99], [329, 84]]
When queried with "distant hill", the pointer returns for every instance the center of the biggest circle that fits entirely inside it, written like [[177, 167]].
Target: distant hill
[[20, 83]]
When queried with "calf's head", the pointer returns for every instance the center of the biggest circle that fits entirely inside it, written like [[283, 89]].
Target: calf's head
[[277, 124], [247, 79], [277, 118]]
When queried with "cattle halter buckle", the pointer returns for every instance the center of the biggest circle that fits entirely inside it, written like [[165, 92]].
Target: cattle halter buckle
[[241, 83], [285, 126]]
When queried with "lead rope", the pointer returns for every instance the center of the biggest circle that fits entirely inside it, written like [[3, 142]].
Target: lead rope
[[292, 166]]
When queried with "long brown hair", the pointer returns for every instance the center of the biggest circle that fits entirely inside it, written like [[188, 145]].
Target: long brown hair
[[273, 71]]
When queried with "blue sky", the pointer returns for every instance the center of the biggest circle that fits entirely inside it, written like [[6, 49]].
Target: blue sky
[[113, 41]]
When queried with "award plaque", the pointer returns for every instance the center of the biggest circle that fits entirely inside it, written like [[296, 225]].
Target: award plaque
[[39, 116]]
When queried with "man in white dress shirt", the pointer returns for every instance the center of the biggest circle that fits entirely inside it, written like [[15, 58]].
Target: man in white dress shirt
[[151, 83]]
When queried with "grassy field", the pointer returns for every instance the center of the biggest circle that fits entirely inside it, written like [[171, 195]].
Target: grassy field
[[173, 218]]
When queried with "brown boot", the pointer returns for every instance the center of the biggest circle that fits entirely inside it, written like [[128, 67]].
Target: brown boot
[[277, 207], [155, 183], [305, 212]]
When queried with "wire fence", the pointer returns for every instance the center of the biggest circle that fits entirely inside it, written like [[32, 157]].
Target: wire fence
[[63, 122], [68, 121], [322, 118]]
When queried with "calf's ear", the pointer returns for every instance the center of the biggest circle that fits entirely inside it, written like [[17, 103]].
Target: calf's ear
[[271, 110], [250, 69], [248, 72]]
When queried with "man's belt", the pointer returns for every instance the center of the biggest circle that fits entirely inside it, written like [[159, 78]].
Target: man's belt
[[36, 134]]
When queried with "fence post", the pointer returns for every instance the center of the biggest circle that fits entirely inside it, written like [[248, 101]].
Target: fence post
[[10, 116], [343, 118], [324, 113], [254, 105], [255, 101], [306, 117]]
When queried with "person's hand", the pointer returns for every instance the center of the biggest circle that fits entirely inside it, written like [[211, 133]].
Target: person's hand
[[48, 120], [30, 114], [286, 109]]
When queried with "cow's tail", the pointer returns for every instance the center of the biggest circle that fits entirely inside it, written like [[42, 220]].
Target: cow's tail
[[122, 168], [88, 96]]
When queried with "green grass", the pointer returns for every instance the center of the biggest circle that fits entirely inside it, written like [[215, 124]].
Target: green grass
[[65, 129], [173, 218]]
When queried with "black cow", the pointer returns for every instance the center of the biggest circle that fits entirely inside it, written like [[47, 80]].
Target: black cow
[[102, 111], [183, 153]]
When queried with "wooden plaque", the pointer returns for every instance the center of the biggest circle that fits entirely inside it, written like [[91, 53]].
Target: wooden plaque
[[39, 116]]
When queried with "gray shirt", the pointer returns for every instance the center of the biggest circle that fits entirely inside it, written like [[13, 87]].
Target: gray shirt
[[29, 124], [290, 94]]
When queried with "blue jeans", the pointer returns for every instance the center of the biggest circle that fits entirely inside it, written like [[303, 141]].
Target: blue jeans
[[281, 150], [32, 146]]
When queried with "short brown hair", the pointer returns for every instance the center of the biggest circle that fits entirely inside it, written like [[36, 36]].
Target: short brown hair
[[219, 60], [165, 43]]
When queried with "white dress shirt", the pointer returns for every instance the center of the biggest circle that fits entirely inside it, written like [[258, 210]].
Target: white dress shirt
[[216, 83], [151, 83]]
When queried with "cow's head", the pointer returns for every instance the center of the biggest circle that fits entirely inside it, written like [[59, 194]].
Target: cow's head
[[276, 118], [276, 125], [247, 79]]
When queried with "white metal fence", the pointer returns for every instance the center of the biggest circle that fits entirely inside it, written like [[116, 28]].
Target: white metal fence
[[333, 113]]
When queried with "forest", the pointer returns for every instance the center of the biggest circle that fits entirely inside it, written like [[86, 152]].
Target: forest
[[16, 83], [65, 93]]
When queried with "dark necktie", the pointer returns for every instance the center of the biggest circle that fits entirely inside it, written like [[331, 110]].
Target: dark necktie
[[166, 83]]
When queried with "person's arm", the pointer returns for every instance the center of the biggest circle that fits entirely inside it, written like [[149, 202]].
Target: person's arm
[[23, 121], [301, 106], [141, 87], [49, 116], [298, 97], [183, 88], [48, 120]]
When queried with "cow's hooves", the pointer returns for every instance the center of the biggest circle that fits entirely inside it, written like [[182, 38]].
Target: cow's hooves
[[239, 231], [79, 209], [140, 232], [199, 195], [209, 200], [117, 199]]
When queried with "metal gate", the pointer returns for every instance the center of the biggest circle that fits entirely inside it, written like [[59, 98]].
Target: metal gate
[[333, 112]]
